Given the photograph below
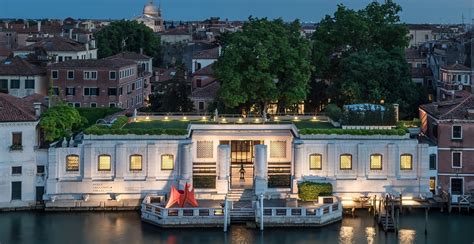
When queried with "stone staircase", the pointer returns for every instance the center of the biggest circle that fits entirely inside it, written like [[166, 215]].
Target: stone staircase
[[386, 221], [242, 209]]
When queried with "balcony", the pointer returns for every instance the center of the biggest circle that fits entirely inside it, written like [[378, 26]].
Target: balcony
[[450, 86], [16, 147]]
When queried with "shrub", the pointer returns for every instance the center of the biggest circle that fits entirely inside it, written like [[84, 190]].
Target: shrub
[[334, 112], [94, 114], [311, 190]]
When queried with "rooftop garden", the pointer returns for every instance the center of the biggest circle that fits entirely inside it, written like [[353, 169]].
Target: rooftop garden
[[167, 126]]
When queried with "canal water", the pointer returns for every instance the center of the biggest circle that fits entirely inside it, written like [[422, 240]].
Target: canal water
[[126, 227]]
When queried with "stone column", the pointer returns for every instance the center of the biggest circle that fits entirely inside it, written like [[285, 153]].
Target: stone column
[[361, 163], [393, 161], [223, 164], [298, 165], [87, 161], [152, 161], [186, 164], [261, 176], [121, 161], [332, 161]]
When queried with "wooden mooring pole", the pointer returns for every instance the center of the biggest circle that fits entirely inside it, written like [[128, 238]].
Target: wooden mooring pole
[[426, 221]]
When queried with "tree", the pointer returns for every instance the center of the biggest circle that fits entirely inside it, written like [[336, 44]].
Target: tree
[[359, 57], [267, 61], [128, 36], [61, 121], [173, 96]]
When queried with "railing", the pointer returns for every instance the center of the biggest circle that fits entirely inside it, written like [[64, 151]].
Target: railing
[[288, 212]]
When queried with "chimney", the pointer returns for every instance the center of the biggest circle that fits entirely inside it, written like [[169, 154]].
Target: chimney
[[39, 26], [37, 107], [70, 33]]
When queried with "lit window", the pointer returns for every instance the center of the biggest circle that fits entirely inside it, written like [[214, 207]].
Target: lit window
[[376, 162], [346, 162], [315, 162], [104, 163], [136, 163], [406, 162], [167, 162], [72, 163]]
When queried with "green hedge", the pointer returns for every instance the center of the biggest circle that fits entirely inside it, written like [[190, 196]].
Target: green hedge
[[117, 129], [392, 132], [279, 181], [94, 114], [204, 182], [311, 190]]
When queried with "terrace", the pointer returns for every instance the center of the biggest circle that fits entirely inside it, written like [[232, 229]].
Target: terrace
[[152, 124]]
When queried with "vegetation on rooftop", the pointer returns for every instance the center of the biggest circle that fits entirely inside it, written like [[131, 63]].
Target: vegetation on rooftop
[[94, 114], [61, 121], [122, 127], [308, 191]]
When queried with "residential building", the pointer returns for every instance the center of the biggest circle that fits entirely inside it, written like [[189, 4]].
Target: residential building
[[275, 158], [204, 88], [450, 125], [20, 78], [176, 35], [455, 77], [420, 33], [22, 164], [60, 49], [144, 62], [204, 58], [100, 83]]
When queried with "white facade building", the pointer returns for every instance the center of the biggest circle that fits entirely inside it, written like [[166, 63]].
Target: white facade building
[[20, 78], [119, 170], [22, 164]]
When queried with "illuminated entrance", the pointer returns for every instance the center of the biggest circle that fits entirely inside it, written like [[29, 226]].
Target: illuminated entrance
[[242, 163]]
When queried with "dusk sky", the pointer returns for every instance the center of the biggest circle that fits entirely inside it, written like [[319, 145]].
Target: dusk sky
[[414, 11]]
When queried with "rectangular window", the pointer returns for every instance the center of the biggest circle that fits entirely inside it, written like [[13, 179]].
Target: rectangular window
[[70, 91], [91, 91], [457, 160], [432, 161], [133, 86], [90, 75], [135, 162], [112, 105], [277, 149], [167, 162], [104, 163], [112, 75], [72, 163], [376, 162], [406, 162], [17, 139], [120, 91], [4, 85], [56, 91], [345, 162], [457, 186], [54, 74], [70, 75], [201, 105], [204, 149], [457, 132], [16, 170], [93, 105], [112, 91], [40, 169], [77, 105], [315, 162], [14, 84], [16, 190], [29, 84]]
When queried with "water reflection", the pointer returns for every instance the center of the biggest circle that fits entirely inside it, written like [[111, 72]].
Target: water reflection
[[370, 234], [346, 235], [406, 236]]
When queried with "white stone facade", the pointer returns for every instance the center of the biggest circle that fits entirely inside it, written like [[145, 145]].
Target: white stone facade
[[208, 149], [40, 85]]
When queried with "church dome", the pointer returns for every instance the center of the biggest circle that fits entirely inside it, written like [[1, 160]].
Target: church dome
[[151, 10]]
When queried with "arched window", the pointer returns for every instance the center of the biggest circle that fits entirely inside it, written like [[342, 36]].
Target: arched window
[[315, 161], [345, 162], [104, 163], [406, 162], [376, 162], [136, 162], [72, 162], [167, 162]]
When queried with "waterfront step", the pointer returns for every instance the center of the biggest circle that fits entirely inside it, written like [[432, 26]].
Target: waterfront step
[[387, 223], [241, 195], [242, 215]]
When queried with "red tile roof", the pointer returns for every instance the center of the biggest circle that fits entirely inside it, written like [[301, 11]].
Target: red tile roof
[[93, 63], [13, 109], [19, 66], [130, 56], [456, 108], [206, 92], [212, 53], [56, 43], [456, 67], [208, 70]]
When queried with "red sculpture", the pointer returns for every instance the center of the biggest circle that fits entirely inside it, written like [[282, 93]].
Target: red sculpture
[[182, 197]]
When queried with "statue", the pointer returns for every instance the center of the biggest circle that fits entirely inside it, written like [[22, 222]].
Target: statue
[[181, 197], [242, 172]]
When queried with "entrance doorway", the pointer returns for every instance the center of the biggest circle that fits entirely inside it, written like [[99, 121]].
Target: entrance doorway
[[242, 162]]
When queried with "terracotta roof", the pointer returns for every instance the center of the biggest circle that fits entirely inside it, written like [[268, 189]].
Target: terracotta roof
[[56, 44], [212, 53], [206, 92], [412, 53], [208, 70], [130, 56], [421, 72], [4, 51], [456, 108], [13, 109], [457, 67], [93, 63], [175, 31], [19, 66], [164, 74]]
